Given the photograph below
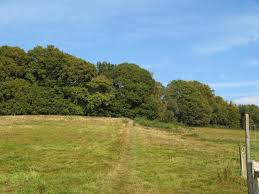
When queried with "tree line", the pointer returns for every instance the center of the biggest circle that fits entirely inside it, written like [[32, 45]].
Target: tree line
[[49, 81]]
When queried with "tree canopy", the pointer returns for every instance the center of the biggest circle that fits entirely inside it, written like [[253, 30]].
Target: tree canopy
[[49, 81]]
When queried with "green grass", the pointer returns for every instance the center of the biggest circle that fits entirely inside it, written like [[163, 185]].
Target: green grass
[[54, 154]]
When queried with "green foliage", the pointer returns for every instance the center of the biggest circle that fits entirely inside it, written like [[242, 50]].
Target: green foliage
[[77, 95], [188, 103], [101, 96], [220, 112], [45, 66], [170, 127], [21, 97], [253, 112], [105, 68], [133, 85], [51, 67], [149, 108], [233, 118], [49, 81], [194, 103], [77, 72], [12, 63]]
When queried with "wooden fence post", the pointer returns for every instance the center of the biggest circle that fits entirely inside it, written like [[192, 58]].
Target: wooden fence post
[[242, 154], [249, 165]]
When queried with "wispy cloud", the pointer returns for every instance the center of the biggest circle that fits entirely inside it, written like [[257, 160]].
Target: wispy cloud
[[248, 100], [235, 84], [231, 31], [226, 44], [30, 11], [237, 95]]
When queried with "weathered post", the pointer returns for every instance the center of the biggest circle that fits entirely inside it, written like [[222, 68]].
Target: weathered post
[[242, 154], [249, 165]]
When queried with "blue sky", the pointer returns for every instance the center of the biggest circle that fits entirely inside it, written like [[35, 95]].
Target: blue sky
[[212, 41]]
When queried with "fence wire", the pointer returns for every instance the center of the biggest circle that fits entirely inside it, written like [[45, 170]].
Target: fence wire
[[253, 129]]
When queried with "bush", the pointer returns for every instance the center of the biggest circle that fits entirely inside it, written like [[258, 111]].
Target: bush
[[169, 127]]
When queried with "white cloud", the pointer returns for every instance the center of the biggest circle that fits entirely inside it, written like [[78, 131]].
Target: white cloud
[[248, 100], [230, 31], [31, 11], [226, 44], [235, 84], [237, 94]]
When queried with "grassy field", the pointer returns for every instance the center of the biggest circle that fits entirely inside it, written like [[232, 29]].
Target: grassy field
[[54, 154]]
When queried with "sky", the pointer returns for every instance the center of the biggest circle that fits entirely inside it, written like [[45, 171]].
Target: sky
[[213, 41]]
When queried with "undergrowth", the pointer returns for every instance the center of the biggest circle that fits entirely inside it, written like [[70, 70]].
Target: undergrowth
[[169, 127]]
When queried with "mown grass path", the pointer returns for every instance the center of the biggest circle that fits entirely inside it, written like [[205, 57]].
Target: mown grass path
[[120, 171]]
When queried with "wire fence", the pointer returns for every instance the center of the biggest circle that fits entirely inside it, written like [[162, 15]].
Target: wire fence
[[254, 139]]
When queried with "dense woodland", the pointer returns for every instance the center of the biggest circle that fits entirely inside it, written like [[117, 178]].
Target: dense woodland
[[49, 81]]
